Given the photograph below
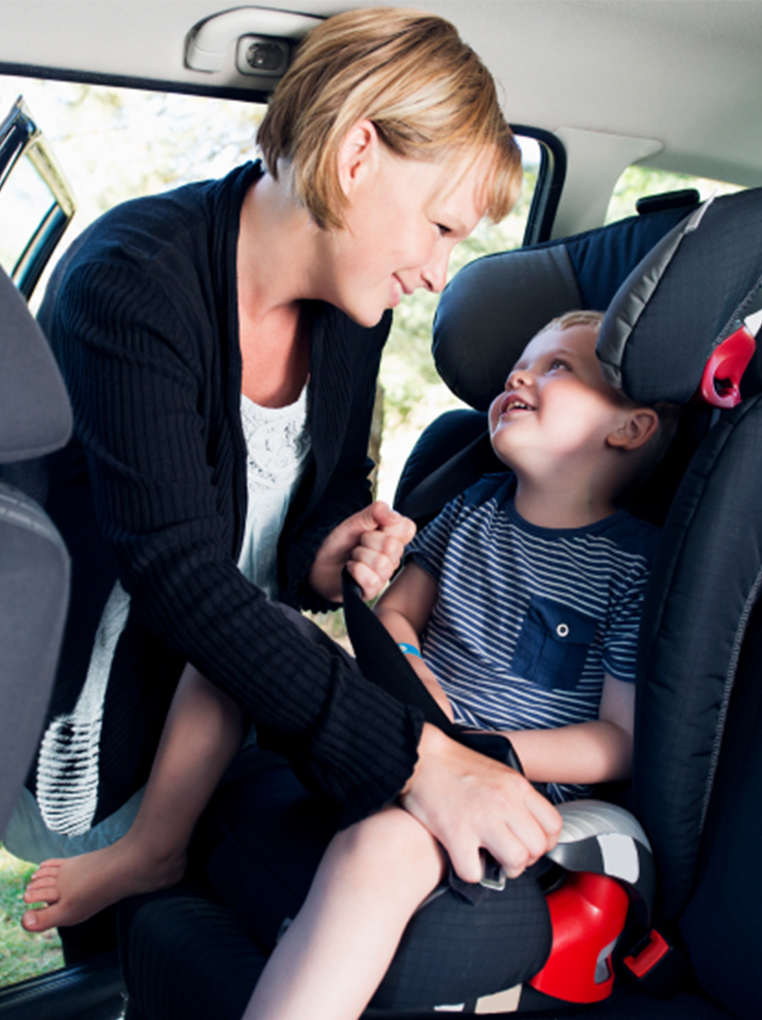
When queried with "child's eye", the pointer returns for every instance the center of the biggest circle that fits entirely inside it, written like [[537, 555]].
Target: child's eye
[[559, 363]]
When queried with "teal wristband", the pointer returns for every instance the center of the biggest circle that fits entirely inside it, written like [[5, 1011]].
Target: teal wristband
[[408, 649]]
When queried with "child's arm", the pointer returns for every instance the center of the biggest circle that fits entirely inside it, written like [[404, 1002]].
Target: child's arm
[[404, 610], [592, 752]]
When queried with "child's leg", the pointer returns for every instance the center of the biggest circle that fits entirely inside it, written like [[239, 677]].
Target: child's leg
[[371, 880], [203, 731]]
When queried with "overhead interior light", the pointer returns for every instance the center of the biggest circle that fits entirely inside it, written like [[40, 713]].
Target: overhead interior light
[[208, 42]]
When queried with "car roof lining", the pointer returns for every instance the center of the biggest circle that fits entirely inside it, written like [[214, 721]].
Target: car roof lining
[[686, 74]]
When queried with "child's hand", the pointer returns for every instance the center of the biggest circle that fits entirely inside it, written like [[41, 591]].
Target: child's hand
[[369, 544]]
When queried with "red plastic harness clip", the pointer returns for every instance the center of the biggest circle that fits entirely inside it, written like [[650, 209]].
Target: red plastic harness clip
[[721, 382]]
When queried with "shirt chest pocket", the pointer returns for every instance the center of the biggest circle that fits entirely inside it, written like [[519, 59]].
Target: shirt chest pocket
[[553, 644]]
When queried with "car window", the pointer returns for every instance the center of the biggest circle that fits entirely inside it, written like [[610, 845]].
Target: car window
[[116, 143], [638, 181]]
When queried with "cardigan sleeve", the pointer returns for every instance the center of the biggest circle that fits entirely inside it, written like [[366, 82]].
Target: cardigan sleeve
[[137, 385]]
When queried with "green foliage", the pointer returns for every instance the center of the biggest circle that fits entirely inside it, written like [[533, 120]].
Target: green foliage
[[22, 955]]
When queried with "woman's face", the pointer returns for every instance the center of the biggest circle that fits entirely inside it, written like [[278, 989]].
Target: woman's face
[[402, 221]]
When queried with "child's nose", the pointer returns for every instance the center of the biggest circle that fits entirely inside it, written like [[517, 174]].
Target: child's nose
[[519, 377]]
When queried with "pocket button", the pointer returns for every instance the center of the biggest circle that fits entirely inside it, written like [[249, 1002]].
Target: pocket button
[[562, 630]]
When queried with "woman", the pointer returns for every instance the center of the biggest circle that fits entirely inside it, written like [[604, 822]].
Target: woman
[[383, 147]]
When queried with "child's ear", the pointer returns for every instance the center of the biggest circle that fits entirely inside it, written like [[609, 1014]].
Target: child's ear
[[357, 154], [638, 428]]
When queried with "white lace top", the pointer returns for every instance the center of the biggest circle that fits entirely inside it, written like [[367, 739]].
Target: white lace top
[[278, 443]]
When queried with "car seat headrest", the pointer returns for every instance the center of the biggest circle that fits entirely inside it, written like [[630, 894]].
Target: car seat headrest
[[682, 303], [35, 416], [702, 271]]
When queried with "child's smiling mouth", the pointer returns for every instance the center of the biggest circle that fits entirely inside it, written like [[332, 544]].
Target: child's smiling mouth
[[512, 402]]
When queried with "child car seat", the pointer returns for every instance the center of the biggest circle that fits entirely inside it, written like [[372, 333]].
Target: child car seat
[[698, 608], [185, 955], [35, 418]]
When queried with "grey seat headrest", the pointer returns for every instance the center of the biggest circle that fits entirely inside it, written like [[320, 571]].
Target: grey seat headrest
[[36, 415]]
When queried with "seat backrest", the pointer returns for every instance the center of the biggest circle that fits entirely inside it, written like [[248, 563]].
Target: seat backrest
[[35, 418]]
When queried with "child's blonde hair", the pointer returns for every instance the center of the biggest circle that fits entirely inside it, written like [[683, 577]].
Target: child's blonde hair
[[578, 317], [427, 93]]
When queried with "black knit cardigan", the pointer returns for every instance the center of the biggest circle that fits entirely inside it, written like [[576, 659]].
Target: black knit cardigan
[[153, 490]]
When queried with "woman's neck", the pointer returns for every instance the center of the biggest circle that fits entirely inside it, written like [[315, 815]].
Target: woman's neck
[[273, 245]]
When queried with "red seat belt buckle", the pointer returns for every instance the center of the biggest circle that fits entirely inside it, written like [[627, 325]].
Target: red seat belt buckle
[[643, 962]]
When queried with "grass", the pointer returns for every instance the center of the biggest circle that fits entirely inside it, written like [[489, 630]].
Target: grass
[[22, 955]]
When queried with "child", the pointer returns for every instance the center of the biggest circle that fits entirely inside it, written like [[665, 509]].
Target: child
[[527, 595]]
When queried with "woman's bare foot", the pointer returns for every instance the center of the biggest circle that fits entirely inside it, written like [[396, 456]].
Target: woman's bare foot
[[75, 888]]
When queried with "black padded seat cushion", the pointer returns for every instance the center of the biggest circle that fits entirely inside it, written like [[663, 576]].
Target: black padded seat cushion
[[726, 950], [189, 958], [693, 625]]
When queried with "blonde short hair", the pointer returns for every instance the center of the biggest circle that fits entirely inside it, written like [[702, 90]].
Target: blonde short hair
[[427, 93], [578, 317]]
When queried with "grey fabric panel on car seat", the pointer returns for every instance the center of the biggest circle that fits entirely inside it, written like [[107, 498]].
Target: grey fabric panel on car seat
[[694, 301], [35, 418], [34, 584], [696, 611]]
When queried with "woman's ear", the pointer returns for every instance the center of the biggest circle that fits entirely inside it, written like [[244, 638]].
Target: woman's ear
[[637, 429], [358, 154]]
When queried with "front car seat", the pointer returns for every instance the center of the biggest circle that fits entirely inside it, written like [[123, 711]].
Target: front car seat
[[35, 418]]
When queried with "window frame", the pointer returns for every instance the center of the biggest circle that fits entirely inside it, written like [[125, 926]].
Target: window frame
[[20, 137]]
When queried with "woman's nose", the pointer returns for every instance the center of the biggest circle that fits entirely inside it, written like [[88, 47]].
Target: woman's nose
[[434, 275]]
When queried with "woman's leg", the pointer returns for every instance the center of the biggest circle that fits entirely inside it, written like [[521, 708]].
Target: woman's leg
[[371, 880], [203, 731]]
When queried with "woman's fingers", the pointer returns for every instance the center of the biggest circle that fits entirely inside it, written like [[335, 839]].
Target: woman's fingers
[[470, 802], [390, 531]]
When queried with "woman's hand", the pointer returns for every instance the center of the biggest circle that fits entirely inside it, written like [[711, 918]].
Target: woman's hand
[[468, 801], [369, 544]]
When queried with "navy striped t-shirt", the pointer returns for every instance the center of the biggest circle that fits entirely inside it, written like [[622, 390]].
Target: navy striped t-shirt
[[529, 619]]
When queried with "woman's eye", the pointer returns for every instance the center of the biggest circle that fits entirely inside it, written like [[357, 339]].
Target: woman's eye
[[443, 230]]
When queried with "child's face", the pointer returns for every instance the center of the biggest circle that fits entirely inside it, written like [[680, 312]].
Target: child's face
[[556, 410]]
